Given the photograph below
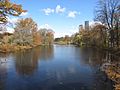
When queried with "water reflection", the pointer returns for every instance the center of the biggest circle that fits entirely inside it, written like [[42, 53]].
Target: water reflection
[[55, 68], [92, 57], [3, 69], [96, 57], [45, 52], [3, 74], [27, 61]]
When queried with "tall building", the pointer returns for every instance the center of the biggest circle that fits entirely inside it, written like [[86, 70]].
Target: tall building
[[86, 25], [80, 27]]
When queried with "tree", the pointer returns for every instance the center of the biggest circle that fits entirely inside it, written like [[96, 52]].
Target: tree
[[8, 8], [98, 35], [107, 13], [50, 36], [47, 36], [3, 28], [25, 31], [76, 39], [67, 39], [37, 38]]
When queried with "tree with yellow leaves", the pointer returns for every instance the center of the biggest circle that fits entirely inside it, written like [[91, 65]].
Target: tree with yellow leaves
[[7, 8]]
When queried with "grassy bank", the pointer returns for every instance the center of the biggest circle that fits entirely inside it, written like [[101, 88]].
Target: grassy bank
[[6, 48], [13, 48]]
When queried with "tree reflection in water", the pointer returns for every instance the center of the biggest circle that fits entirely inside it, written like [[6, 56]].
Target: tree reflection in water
[[3, 70], [71, 67], [96, 57], [27, 61]]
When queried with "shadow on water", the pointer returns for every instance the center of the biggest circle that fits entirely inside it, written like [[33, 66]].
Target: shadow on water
[[55, 68], [27, 61]]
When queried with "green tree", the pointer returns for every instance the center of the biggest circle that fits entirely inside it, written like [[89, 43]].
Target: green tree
[[76, 39]]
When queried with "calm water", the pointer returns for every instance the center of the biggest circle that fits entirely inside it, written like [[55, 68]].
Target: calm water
[[54, 68]]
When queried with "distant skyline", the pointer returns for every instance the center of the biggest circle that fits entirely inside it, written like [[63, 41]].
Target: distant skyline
[[63, 16]]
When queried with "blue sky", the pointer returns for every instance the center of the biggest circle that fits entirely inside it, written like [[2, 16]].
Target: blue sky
[[63, 16]]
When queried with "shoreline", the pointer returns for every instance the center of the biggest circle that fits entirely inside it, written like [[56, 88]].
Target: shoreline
[[15, 48], [112, 70]]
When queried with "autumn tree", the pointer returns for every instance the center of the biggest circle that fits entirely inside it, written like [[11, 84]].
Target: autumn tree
[[107, 13], [98, 35], [117, 26], [42, 33], [3, 28], [50, 36], [37, 39], [7, 8], [25, 31], [67, 39], [76, 39], [47, 36], [85, 37]]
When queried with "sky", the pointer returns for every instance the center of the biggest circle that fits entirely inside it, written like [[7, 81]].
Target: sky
[[63, 16]]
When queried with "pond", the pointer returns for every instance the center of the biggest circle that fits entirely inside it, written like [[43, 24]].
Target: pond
[[58, 67]]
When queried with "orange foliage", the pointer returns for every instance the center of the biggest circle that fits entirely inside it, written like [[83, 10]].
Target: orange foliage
[[8, 8], [37, 39]]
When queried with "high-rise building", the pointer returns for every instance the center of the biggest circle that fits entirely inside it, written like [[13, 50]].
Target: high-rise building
[[86, 25], [80, 27]]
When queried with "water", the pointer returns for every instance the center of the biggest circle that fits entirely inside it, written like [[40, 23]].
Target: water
[[55, 67]]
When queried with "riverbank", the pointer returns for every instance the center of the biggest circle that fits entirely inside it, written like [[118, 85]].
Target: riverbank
[[33, 63], [6, 48], [112, 68], [113, 73], [113, 50], [61, 43]]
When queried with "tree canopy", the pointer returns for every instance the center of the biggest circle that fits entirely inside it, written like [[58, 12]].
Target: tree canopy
[[8, 8]]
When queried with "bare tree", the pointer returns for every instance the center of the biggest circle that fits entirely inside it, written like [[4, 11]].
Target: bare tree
[[106, 13]]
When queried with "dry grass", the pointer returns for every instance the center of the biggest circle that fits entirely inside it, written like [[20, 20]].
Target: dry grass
[[12, 48], [113, 72]]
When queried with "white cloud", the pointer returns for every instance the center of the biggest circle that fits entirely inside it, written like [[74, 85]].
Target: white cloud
[[72, 14], [48, 11], [24, 14], [59, 9]]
